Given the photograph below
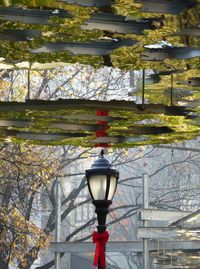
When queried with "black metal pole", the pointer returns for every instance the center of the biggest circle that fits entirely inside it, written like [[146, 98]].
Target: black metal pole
[[101, 216], [101, 211], [171, 90], [143, 86]]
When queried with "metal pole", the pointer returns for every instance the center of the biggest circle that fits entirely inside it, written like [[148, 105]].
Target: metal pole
[[172, 88], [101, 211], [58, 221], [28, 82], [143, 85], [145, 181]]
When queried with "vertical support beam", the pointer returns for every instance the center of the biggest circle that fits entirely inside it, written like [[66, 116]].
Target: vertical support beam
[[58, 221], [29, 85], [143, 86], [171, 90], [145, 190]]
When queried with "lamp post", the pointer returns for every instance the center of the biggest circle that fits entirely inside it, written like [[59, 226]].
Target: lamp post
[[102, 181]]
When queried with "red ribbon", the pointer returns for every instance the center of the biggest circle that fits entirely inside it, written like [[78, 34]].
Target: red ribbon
[[100, 239], [103, 126]]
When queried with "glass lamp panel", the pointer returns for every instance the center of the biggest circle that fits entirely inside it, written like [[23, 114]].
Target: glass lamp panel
[[113, 182], [98, 186]]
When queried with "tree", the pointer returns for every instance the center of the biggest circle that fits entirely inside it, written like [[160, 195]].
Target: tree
[[132, 163], [46, 84], [24, 170], [167, 169]]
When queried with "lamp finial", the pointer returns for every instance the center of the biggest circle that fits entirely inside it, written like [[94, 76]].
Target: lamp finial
[[102, 153]]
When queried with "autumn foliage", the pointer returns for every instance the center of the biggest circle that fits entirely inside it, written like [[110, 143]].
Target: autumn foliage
[[24, 170]]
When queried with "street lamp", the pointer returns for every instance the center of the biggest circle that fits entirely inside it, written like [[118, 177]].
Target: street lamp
[[102, 181]]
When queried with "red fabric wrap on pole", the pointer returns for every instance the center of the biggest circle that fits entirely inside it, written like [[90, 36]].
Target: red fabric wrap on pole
[[100, 239], [103, 126]]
